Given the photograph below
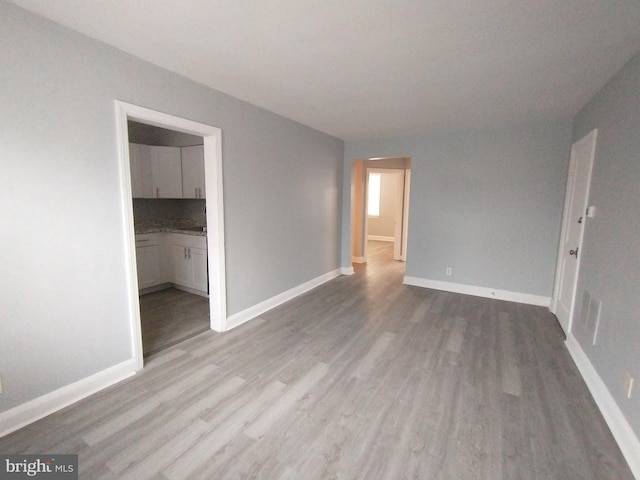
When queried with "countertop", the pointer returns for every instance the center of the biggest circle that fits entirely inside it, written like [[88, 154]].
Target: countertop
[[196, 230]]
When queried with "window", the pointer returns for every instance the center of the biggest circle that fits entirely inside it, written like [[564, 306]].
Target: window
[[373, 200]]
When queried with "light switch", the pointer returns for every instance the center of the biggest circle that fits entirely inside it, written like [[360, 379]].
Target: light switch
[[591, 211]]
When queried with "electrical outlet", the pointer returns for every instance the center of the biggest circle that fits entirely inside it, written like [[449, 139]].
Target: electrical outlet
[[628, 384], [449, 271]]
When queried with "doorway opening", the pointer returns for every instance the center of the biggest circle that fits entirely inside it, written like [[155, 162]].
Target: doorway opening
[[214, 272], [380, 231], [169, 209]]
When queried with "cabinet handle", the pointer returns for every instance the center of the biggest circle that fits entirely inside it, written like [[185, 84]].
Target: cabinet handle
[[143, 240], [157, 192], [185, 252]]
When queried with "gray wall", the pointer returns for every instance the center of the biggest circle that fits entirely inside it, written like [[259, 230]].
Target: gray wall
[[488, 204], [610, 258], [64, 300]]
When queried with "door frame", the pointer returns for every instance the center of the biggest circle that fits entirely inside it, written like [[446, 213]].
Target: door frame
[[212, 139], [401, 209], [405, 214], [591, 138]]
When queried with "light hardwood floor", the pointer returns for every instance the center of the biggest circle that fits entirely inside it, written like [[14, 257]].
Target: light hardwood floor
[[361, 378]]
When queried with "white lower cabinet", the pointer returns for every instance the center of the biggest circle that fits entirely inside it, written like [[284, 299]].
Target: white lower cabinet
[[200, 270], [172, 258], [182, 270], [148, 260], [189, 255]]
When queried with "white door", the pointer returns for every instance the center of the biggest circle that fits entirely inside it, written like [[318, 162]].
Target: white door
[[574, 219]]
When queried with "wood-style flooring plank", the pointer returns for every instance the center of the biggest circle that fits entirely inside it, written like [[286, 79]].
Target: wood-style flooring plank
[[360, 378]]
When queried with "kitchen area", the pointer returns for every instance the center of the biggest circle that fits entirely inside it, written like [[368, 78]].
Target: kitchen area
[[169, 207]]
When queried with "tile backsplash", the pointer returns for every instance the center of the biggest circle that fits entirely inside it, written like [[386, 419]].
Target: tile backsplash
[[169, 211]]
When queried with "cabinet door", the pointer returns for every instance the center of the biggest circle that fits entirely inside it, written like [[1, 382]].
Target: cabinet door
[[199, 267], [147, 260], [193, 172], [166, 172], [182, 270], [140, 163]]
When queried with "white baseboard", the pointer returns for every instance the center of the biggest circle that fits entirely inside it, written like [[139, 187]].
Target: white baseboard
[[623, 433], [479, 291], [252, 312], [347, 270], [165, 286], [194, 291], [155, 288], [40, 407], [380, 238], [358, 260]]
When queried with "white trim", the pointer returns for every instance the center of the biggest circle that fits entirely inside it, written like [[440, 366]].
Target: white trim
[[479, 291], [252, 312], [358, 260], [155, 288], [122, 130], [405, 214], [380, 238], [193, 291], [40, 407], [212, 139], [347, 270], [623, 433]]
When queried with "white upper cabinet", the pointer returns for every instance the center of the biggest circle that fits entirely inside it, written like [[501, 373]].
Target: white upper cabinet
[[193, 172], [140, 161], [166, 172]]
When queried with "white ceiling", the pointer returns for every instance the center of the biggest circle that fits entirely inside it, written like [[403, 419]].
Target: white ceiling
[[363, 68]]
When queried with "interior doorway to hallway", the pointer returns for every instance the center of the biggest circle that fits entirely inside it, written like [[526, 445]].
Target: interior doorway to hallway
[[380, 263], [380, 207]]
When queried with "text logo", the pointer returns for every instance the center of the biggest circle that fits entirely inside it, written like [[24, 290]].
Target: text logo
[[52, 467]]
